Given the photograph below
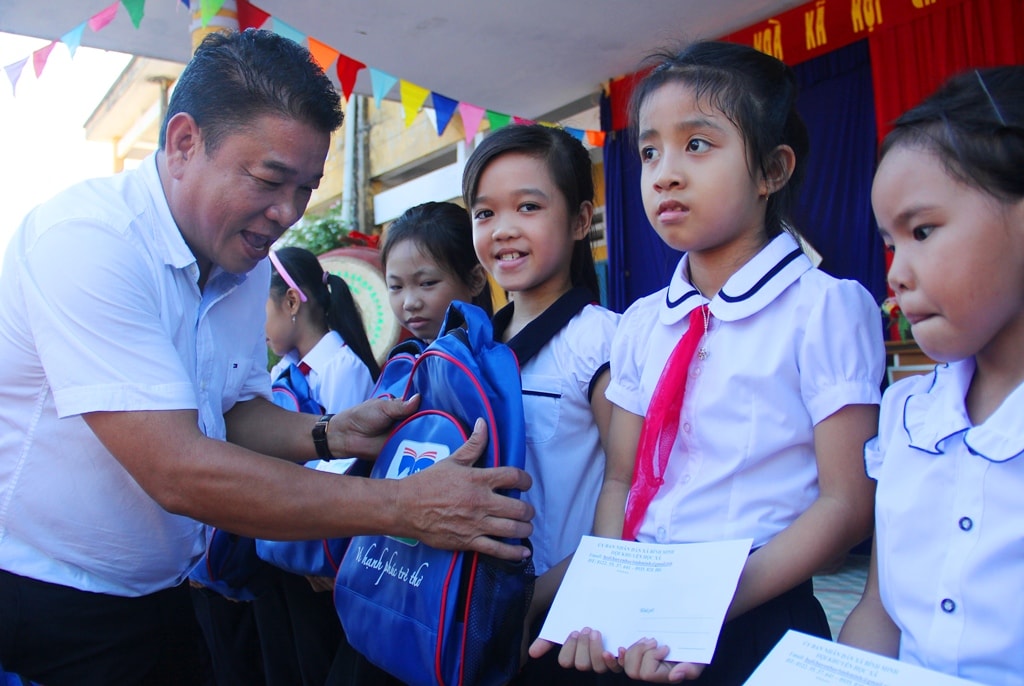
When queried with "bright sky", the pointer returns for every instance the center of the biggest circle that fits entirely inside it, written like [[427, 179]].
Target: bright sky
[[42, 136]]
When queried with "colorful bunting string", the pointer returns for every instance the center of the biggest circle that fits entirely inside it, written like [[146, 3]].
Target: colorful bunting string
[[413, 97]]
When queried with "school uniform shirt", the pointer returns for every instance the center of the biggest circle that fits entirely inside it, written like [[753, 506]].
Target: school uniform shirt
[[949, 531], [564, 455], [337, 379], [788, 345], [100, 310]]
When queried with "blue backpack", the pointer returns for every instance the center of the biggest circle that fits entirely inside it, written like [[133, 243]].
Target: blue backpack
[[231, 567], [290, 390], [322, 556], [234, 565], [429, 616]]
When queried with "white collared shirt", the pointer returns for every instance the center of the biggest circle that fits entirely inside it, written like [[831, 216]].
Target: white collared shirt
[[564, 455], [949, 526], [788, 346], [100, 310], [337, 378]]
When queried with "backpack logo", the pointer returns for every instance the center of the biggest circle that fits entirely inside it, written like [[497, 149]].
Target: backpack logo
[[415, 456]]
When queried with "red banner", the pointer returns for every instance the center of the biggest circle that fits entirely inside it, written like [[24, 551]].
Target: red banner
[[807, 31], [818, 27]]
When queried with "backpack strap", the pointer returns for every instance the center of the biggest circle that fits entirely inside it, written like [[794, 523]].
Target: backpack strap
[[535, 335], [291, 391]]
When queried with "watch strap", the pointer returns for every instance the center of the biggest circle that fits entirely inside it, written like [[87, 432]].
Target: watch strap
[[323, 451]]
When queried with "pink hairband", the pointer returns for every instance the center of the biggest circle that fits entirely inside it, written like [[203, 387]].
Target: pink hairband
[[276, 261]]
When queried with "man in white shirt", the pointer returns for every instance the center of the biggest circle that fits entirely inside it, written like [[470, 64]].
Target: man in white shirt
[[134, 395]]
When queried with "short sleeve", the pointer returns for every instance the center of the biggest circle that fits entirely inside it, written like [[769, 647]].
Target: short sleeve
[[100, 335], [628, 356], [842, 355], [873, 454], [591, 345]]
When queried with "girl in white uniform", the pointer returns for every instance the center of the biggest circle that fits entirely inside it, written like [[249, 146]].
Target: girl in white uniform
[[312, 322], [429, 261], [782, 388], [946, 585], [531, 196]]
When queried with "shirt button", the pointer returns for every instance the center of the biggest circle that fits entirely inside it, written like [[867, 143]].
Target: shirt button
[[966, 523], [686, 427], [686, 479], [661, 534], [695, 371], [948, 605]]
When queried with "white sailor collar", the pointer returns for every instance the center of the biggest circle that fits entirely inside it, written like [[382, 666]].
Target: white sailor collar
[[939, 413], [750, 289], [325, 349]]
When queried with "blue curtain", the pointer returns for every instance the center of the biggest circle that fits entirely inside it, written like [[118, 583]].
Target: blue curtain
[[834, 211], [639, 262]]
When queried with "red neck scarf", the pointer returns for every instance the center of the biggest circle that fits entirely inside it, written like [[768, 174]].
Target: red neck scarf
[[661, 424]]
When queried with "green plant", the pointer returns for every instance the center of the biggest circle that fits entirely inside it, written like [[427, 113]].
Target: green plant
[[318, 233]]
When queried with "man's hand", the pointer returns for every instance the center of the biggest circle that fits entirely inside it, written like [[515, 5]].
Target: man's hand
[[454, 506], [361, 431]]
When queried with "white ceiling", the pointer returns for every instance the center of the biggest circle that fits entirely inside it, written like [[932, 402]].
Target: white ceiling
[[523, 57]]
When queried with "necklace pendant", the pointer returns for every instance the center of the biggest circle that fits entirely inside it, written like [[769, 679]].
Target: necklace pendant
[[702, 353]]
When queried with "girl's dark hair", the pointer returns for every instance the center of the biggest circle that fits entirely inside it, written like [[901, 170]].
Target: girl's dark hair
[[756, 92], [974, 124], [330, 294], [444, 232], [569, 164]]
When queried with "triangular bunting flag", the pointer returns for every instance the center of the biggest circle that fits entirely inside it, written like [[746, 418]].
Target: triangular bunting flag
[[185, 3], [39, 58], [208, 10], [497, 120], [382, 84], [14, 73], [575, 133], [413, 97], [288, 31], [596, 138], [250, 16], [103, 17], [471, 118], [521, 121], [431, 115], [348, 69], [322, 53], [444, 108], [73, 38], [135, 10]]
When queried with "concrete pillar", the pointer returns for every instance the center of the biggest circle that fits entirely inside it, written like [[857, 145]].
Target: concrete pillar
[[225, 21]]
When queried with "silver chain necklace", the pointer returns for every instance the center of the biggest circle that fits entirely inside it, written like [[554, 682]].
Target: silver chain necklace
[[705, 310]]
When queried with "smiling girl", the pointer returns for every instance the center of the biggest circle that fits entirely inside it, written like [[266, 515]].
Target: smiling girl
[[531, 196]]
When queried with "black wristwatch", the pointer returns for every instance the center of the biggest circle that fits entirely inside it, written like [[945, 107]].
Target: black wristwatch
[[320, 437]]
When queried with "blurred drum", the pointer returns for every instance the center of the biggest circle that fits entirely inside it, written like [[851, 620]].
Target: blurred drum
[[361, 269]]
